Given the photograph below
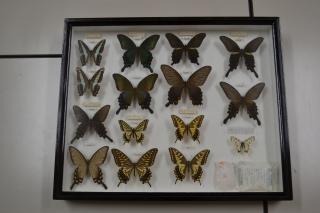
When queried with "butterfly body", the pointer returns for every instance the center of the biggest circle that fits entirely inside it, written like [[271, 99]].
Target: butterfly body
[[185, 129], [238, 101], [130, 94], [85, 84], [126, 166], [95, 123], [86, 167], [237, 54], [182, 50], [190, 87], [242, 146], [141, 53], [133, 133], [184, 167], [91, 55]]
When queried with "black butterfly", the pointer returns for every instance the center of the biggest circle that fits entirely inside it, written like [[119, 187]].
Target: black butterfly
[[181, 49], [94, 123], [237, 53], [94, 55], [132, 51]]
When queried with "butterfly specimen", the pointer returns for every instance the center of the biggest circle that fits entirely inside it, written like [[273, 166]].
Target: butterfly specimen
[[130, 93], [192, 128], [183, 166], [93, 124], [242, 146], [85, 84], [91, 55], [191, 86], [88, 167], [142, 165], [142, 53], [133, 133], [238, 101], [245, 53], [181, 49]]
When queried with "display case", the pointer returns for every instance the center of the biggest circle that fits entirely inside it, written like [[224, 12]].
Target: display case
[[172, 109]]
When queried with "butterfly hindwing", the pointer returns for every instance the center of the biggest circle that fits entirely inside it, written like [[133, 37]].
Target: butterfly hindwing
[[94, 123], [129, 93], [92, 166], [237, 101], [133, 52]]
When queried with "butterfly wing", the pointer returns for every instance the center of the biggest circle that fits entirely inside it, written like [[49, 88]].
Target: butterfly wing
[[126, 89], [252, 95], [125, 165], [84, 52], [197, 79], [97, 120], [97, 159], [127, 131], [95, 81], [194, 126], [251, 47], [235, 100], [138, 131], [83, 81], [97, 52], [176, 82], [131, 51], [143, 88], [81, 166], [178, 47], [181, 127], [181, 163], [235, 52], [247, 143], [199, 160], [143, 164], [144, 51], [84, 121], [194, 43], [237, 143]]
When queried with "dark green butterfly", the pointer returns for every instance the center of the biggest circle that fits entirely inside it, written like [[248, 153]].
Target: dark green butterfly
[[142, 52], [181, 49], [94, 55], [130, 93]]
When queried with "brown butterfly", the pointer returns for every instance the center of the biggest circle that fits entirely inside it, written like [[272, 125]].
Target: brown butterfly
[[237, 53], [183, 166], [191, 86], [85, 166], [126, 166], [180, 49], [95, 123], [238, 101], [85, 84]]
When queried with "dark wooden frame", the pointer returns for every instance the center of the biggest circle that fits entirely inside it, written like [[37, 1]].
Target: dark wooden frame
[[281, 99]]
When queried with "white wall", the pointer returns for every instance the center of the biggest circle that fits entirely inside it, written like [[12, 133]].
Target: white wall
[[29, 94]]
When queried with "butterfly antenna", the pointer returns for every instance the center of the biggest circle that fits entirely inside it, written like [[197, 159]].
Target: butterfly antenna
[[104, 185], [110, 139]]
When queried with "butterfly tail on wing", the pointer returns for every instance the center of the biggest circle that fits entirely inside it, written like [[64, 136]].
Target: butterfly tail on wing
[[233, 110], [252, 111], [250, 63], [233, 62]]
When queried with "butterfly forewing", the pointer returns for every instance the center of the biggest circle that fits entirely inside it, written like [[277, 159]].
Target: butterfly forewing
[[253, 45]]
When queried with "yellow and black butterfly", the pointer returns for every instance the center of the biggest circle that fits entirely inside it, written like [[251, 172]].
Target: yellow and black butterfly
[[142, 52], [133, 133], [130, 93], [91, 56], [93, 124], [242, 146], [237, 53], [86, 167], [190, 87], [192, 128], [85, 84], [181, 49], [237, 101], [183, 166], [142, 165]]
